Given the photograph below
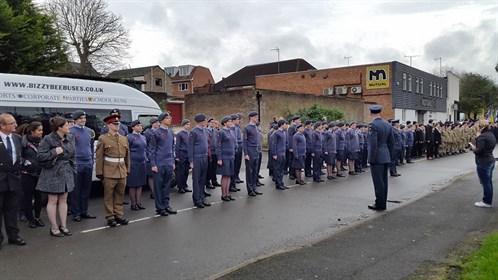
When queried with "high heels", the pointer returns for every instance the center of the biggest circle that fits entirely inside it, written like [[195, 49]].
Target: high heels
[[56, 232], [65, 231]]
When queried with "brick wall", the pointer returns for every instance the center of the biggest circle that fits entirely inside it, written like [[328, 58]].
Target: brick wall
[[150, 79], [273, 103]]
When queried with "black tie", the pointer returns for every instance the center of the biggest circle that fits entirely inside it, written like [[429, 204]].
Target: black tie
[[10, 152]]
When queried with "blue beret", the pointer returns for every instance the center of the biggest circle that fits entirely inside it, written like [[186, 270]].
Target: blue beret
[[317, 124], [78, 114], [299, 125], [332, 124], [210, 119], [225, 119], [235, 116], [252, 114], [375, 108], [307, 122], [200, 117], [341, 124], [115, 111], [281, 122], [153, 120], [275, 126], [134, 123], [162, 116], [295, 118], [185, 121], [240, 116]]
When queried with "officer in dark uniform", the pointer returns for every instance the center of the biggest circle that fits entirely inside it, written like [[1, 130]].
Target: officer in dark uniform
[[198, 158], [112, 165], [251, 143], [123, 129], [380, 148]]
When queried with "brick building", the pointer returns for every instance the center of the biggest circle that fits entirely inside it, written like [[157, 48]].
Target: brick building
[[154, 78], [187, 78], [405, 92]]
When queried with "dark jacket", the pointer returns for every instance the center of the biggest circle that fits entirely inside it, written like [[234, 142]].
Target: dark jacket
[[485, 144], [28, 153], [10, 175]]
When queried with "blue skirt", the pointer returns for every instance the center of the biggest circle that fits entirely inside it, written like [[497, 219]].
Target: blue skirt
[[227, 167], [353, 155], [298, 163], [341, 155], [330, 158], [148, 169], [137, 176]]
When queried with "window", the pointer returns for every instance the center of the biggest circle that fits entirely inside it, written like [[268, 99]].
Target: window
[[404, 81], [421, 86], [159, 82], [430, 89], [183, 71], [183, 86], [441, 91], [417, 85], [403, 114], [410, 83], [434, 89]]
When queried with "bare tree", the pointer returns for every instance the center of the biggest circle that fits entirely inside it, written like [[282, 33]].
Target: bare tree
[[442, 72], [97, 36]]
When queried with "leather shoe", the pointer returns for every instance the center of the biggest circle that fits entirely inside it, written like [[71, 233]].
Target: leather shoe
[[188, 190], [112, 223], [32, 224], [181, 191], [18, 241], [252, 194], [340, 175], [238, 181], [210, 187], [151, 196], [225, 198], [233, 190], [301, 183], [376, 208], [352, 173], [122, 221], [126, 202], [230, 197], [39, 222], [259, 184], [134, 207], [258, 193], [318, 181], [199, 205], [216, 184], [170, 211], [206, 194], [88, 216], [260, 177], [140, 206], [281, 188], [207, 204], [162, 213], [77, 218]]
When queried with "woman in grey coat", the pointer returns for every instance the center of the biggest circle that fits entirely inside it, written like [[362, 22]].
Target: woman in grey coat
[[57, 156]]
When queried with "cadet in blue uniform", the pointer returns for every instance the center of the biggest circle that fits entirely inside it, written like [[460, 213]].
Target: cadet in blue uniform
[[341, 148], [364, 131], [138, 176], [380, 148], [402, 133], [330, 150], [317, 142], [161, 151], [154, 124], [198, 158], [123, 129], [278, 149], [410, 139], [290, 157], [352, 147], [225, 150], [182, 163], [270, 165], [358, 164], [211, 180], [307, 134], [235, 129], [251, 143], [299, 153], [260, 156], [84, 141], [397, 148]]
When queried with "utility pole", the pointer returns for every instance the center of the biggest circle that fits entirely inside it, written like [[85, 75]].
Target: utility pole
[[411, 56], [278, 58], [348, 57], [440, 65]]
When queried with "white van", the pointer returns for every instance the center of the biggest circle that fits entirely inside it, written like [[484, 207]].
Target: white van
[[29, 98]]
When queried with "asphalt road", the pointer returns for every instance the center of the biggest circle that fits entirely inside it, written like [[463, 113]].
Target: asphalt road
[[203, 243]]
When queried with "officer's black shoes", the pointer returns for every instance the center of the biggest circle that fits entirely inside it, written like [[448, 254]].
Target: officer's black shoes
[[206, 204], [170, 211], [318, 181], [18, 241], [77, 218], [122, 221], [112, 223], [331, 177], [162, 213], [207, 194], [376, 208], [280, 188], [88, 216], [199, 205], [259, 184], [258, 193], [252, 194]]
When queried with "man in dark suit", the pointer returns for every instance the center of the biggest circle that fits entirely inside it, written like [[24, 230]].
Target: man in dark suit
[[380, 149], [429, 139], [10, 178]]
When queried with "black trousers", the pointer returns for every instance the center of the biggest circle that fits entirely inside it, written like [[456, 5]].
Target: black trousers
[[317, 166], [307, 164], [380, 182], [211, 173], [8, 212], [251, 171], [29, 192], [181, 170], [430, 149]]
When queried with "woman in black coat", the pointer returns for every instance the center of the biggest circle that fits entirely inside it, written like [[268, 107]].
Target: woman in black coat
[[30, 172]]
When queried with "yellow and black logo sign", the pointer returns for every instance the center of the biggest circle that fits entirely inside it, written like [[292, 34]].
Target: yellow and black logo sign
[[378, 76]]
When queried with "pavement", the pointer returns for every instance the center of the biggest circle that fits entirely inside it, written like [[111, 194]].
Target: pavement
[[228, 238], [393, 245]]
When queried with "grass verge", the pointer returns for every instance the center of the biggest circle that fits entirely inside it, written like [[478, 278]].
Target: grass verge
[[484, 263]]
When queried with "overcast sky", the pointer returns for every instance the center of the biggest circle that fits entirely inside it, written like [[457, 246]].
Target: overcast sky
[[226, 35]]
